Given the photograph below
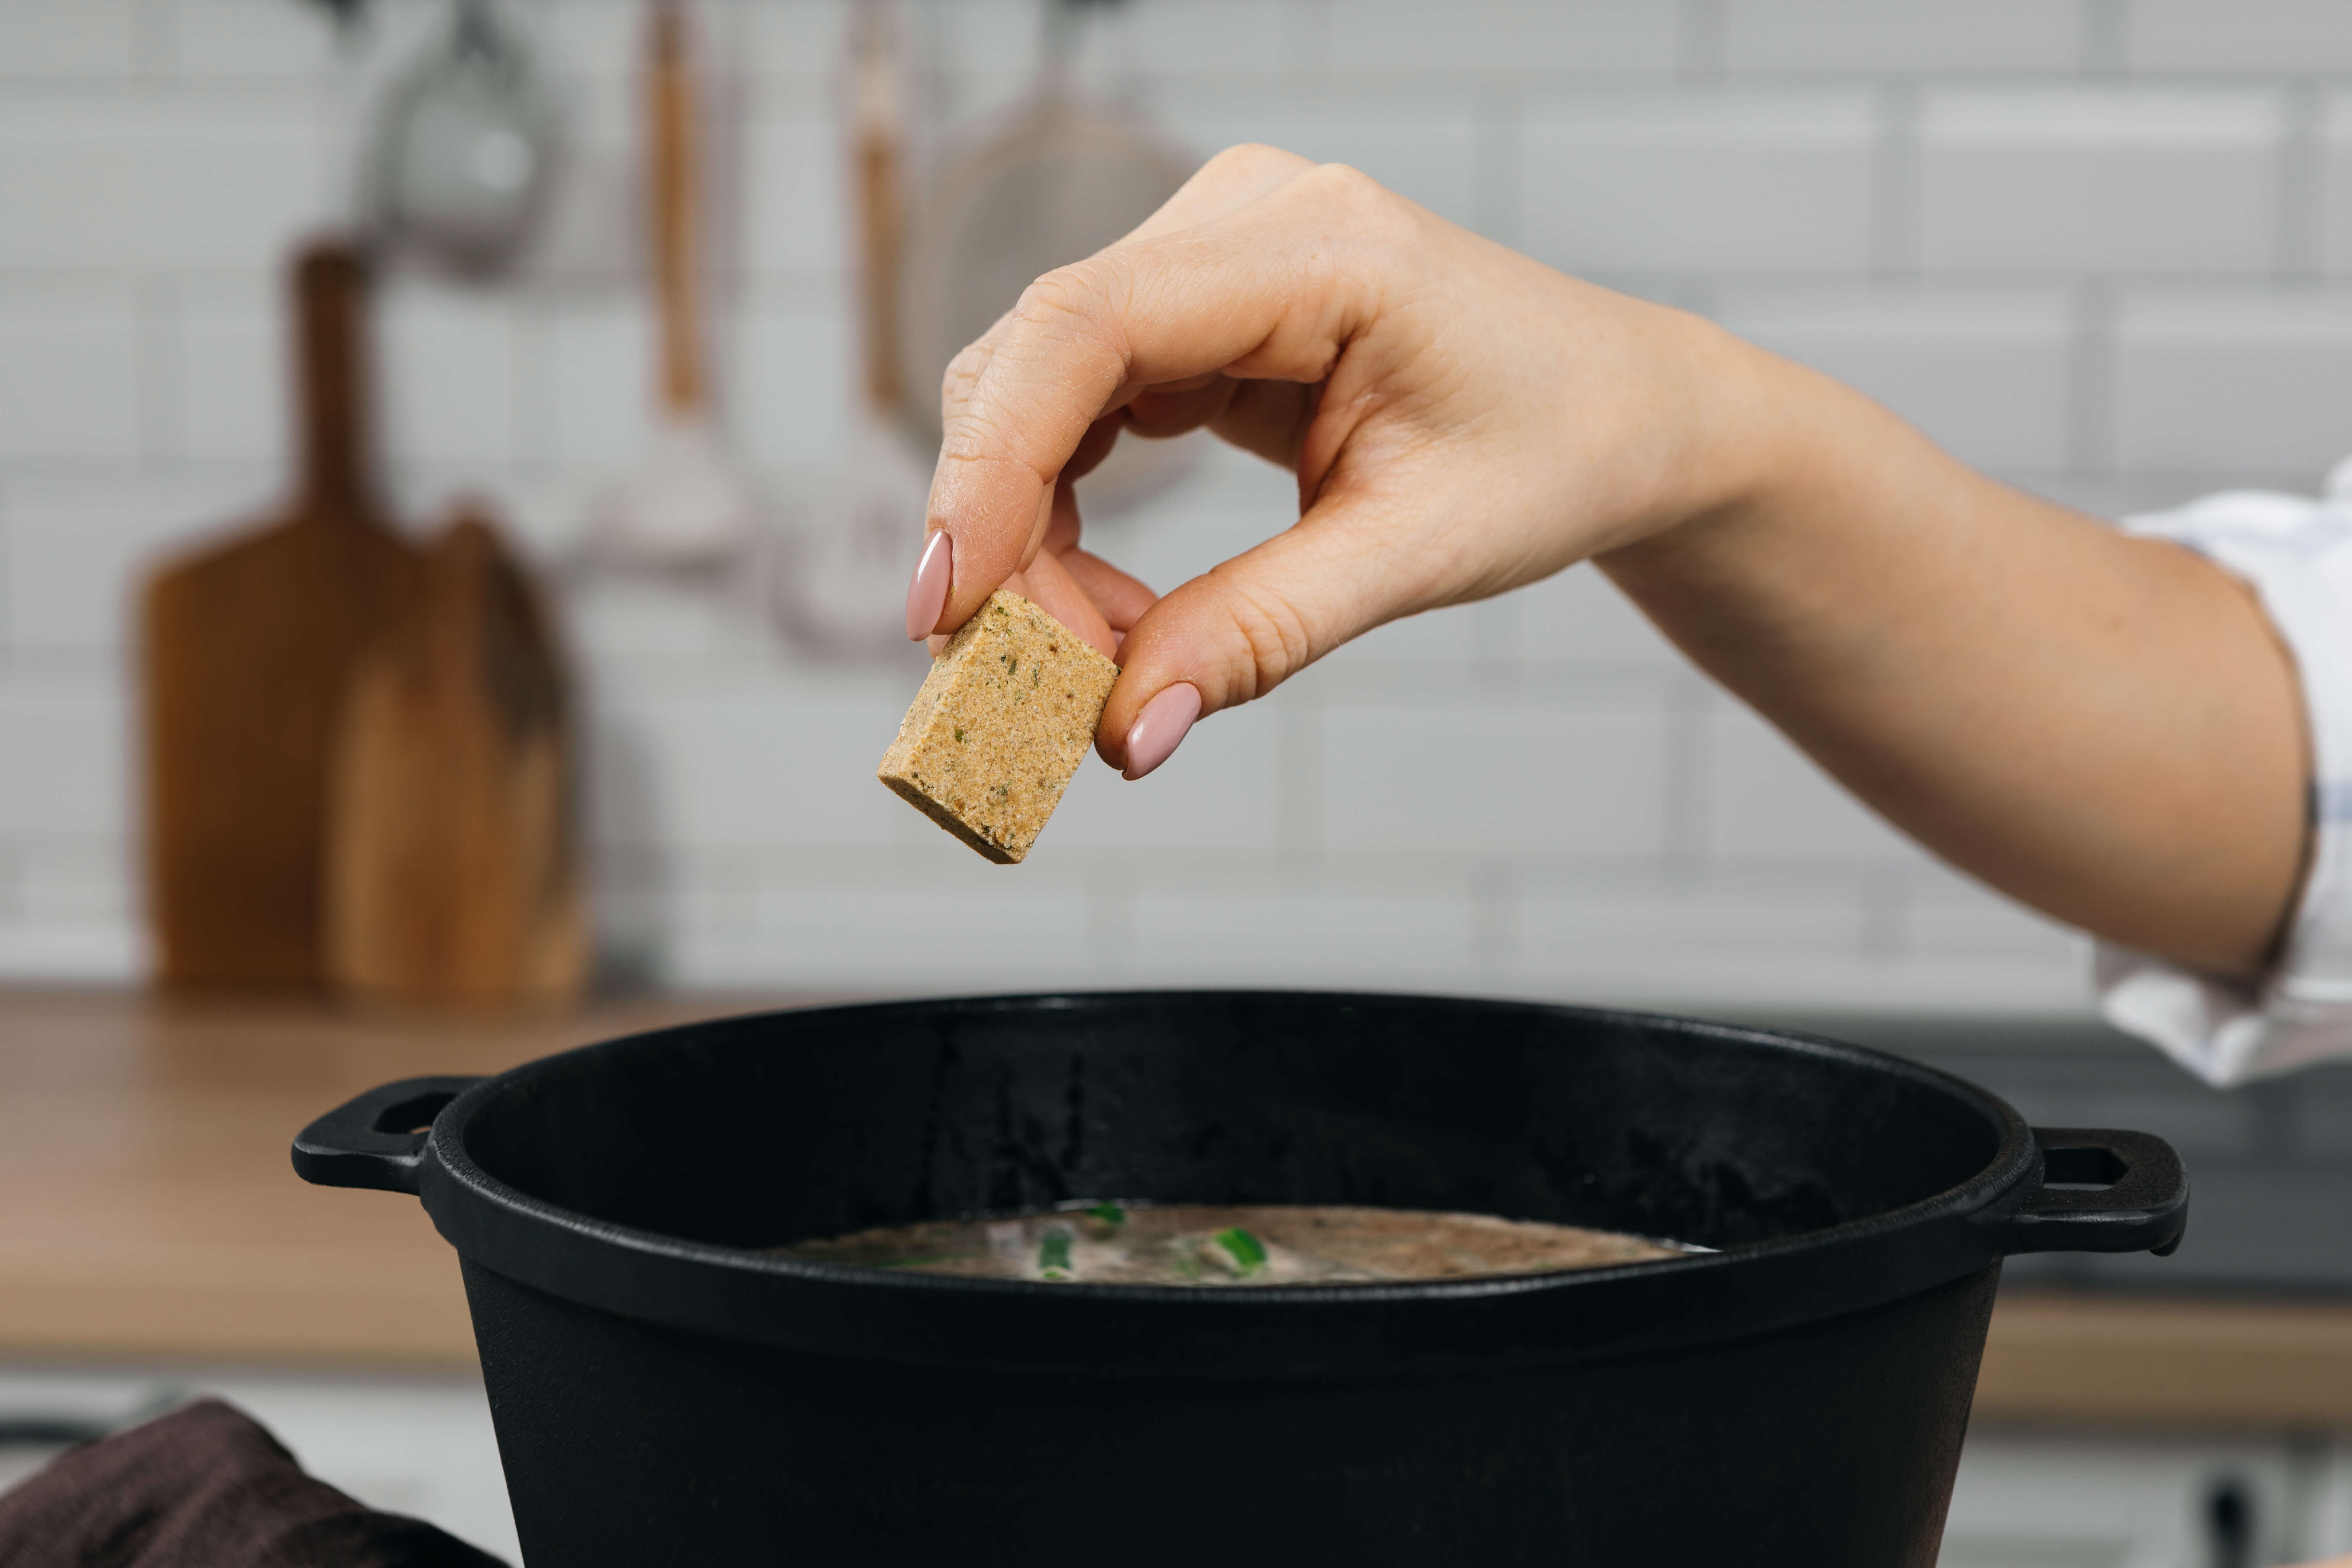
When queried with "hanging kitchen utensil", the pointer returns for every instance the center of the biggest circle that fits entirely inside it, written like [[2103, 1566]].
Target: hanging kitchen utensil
[[879, 113], [840, 589], [243, 648], [1059, 178], [450, 867], [688, 506], [459, 164]]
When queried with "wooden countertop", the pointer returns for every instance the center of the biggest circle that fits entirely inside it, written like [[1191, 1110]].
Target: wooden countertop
[[147, 1204], [148, 1212]]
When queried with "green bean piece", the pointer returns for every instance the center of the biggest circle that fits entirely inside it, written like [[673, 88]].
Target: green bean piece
[[1054, 1254], [1108, 1213], [1247, 1252]]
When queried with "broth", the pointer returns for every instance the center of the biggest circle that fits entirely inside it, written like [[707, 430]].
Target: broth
[[1243, 1244]]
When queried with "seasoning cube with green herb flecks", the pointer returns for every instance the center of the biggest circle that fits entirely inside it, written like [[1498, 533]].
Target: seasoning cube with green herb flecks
[[1002, 723]]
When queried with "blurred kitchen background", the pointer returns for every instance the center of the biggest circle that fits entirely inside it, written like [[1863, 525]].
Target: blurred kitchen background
[[2096, 248], [2100, 247]]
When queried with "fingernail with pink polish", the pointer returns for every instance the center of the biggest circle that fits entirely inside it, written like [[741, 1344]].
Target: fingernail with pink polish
[[1153, 739], [927, 596]]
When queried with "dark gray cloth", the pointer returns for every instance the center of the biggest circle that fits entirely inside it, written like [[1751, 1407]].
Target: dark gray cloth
[[205, 1487]]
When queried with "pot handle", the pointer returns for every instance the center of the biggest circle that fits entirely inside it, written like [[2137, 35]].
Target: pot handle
[[378, 1140], [2102, 1191]]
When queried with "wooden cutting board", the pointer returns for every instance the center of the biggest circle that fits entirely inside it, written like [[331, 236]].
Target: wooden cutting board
[[245, 648], [451, 872]]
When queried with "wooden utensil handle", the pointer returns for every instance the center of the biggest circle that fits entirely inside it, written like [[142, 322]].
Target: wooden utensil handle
[[879, 111], [331, 297], [676, 273]]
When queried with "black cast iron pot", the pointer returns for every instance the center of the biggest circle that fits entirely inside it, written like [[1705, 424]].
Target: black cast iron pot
[[667, 1393]]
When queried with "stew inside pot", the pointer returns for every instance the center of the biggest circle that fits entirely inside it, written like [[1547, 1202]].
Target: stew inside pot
[[1243, 1244]]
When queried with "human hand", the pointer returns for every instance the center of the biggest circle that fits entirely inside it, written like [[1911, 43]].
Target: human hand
[[2106, 728], [1461, 419]]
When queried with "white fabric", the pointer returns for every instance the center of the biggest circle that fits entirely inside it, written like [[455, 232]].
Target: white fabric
[[2297, 555]]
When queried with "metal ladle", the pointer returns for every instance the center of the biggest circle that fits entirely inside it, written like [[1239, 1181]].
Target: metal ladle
[[463, 149]]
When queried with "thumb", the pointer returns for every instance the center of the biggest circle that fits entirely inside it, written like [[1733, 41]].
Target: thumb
[[1244, 627]]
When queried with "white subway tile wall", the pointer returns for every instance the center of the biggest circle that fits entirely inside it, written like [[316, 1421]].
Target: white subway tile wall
[[1817, 36], [1500, 37], [69, 375], [217, 376], [2098, 179], [2267, 37], [1701, 180], [2335, 199], [2102, 248], [2232, 378], [1983, 371]]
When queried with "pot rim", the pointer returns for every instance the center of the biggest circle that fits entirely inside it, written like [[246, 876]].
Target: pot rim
[[742, 1292], [2012, 1160]]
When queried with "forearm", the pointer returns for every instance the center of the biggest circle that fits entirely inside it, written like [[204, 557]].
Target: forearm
[[2104, 727]]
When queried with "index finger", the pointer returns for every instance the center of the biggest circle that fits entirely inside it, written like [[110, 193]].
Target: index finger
[[1258, 291]]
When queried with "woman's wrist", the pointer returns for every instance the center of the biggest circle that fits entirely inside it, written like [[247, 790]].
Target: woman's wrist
[[1782, 462], [1743, 445]]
